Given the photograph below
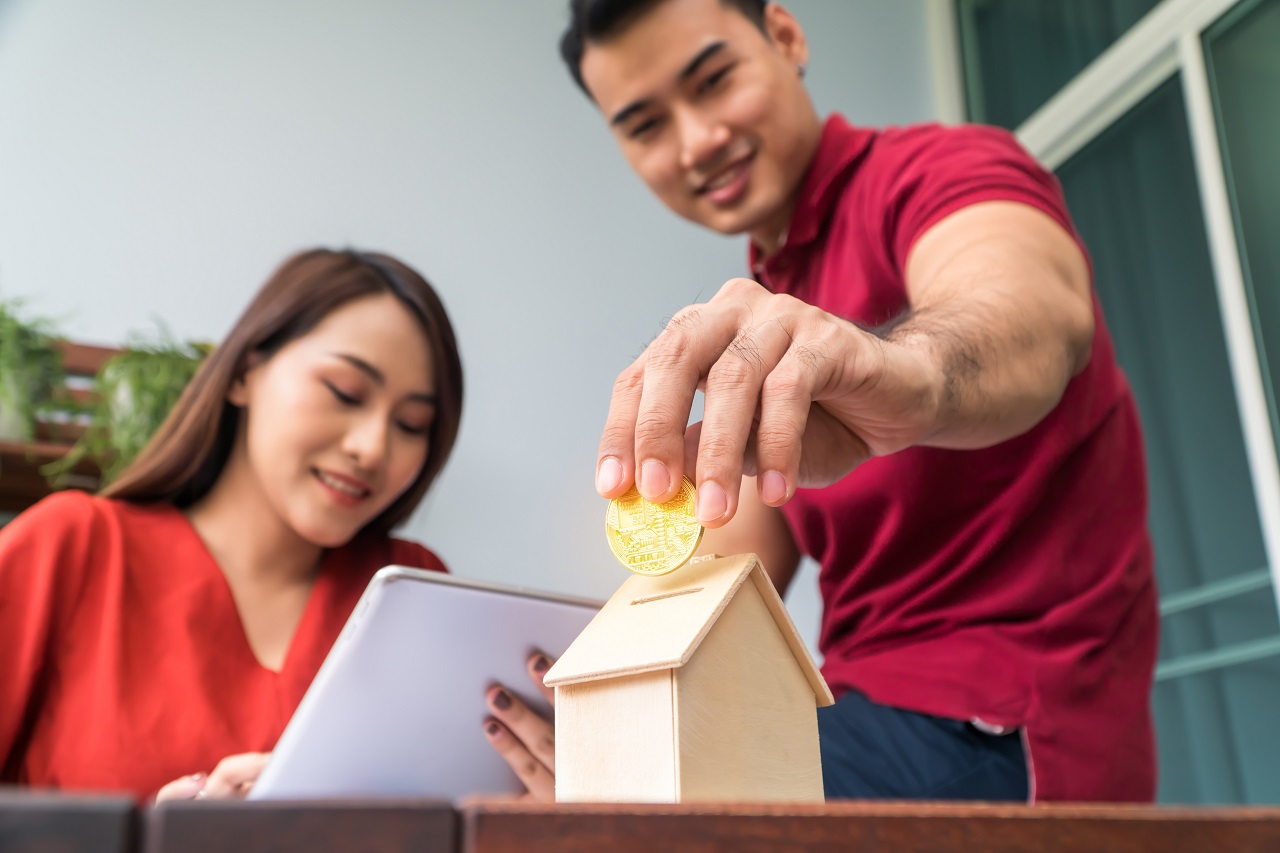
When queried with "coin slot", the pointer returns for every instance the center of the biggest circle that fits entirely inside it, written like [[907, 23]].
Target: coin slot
[[667, 595]]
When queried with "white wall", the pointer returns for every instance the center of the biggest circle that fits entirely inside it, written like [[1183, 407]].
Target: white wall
[[158, 159]]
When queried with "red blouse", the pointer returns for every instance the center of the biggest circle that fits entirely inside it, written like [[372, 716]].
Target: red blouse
[[123, 661]]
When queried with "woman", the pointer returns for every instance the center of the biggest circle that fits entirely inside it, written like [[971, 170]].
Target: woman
[[165, 630]]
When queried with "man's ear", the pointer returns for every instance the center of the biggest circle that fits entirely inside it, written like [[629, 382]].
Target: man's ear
[[786, 34]]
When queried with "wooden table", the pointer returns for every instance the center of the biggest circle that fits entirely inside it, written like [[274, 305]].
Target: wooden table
[[383, 826], [33, 822], [493, 826], [44, 823]]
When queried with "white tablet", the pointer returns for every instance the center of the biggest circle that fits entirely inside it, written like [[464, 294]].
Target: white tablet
[[397, 708]]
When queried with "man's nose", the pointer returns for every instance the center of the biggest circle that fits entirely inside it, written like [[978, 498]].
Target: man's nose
[[702, 139]]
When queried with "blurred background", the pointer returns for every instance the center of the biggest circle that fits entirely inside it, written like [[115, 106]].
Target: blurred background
[[158, 160]]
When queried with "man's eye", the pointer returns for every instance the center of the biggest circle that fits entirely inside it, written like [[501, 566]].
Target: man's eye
[[714, 79], [345, 399], [643, 128]]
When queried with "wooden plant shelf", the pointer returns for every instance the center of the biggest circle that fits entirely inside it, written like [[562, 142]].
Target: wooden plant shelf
[[21, 483]]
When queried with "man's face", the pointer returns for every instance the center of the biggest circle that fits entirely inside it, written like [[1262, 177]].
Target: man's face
[[710, 111]]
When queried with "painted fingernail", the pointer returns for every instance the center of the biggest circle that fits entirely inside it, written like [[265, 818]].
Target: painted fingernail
[[608, 475], [501, 700], [773, 488], [712, 503], [541, 664], [491, 728], [654, 479]]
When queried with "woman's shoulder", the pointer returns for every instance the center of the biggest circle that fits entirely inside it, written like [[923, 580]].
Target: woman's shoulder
[[61, 511]]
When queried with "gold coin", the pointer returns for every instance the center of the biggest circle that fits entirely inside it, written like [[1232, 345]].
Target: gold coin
[[649, 538]]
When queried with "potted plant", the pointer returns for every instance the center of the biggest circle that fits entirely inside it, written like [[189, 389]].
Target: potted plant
[[30, 370], [133, 393]]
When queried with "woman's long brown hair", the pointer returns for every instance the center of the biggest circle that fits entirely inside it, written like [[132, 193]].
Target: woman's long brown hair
[[187, 454]]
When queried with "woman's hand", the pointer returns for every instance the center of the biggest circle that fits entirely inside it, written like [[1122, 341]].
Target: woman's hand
[[230, 780], [523, 738]]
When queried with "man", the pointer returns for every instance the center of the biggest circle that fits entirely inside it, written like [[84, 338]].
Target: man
[[917, 389]]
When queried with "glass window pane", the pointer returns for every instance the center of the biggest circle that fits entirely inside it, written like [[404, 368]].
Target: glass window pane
[[1135, 199], [1243, 55], [1018, 53]]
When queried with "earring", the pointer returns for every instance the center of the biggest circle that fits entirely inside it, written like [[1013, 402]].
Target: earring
[[801, 68]]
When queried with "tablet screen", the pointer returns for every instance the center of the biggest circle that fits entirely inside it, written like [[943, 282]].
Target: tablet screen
[[397, 708]]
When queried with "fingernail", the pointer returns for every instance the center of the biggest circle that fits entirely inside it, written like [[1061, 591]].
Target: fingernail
[[773, 488], [712, 502], [501, 700], [608, 475], [197, 777], [654, 479], [541, 664], [491, 728]]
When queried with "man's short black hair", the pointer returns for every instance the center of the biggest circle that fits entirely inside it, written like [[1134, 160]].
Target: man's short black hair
[[597, 20]]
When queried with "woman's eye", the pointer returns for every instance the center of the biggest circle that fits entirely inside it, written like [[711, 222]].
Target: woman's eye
[[344, 398], [414, 429]]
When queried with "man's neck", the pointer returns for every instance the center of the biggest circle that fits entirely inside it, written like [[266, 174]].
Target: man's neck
[[771, 236]]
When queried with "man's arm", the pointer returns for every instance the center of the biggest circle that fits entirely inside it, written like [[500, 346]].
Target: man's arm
[[1001, 305], [759, 529], [1001, 319]]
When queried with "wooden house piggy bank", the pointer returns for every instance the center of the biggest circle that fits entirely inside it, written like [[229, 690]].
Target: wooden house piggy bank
[[692, 686]]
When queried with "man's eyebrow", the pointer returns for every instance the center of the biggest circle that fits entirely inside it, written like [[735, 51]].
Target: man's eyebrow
[[688, 71], [376, 375]]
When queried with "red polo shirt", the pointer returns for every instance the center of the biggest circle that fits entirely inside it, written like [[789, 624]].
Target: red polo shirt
[[1012, 584]]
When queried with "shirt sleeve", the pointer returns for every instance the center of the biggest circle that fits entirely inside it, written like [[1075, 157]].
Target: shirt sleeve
[[941, 170], [42, 553]]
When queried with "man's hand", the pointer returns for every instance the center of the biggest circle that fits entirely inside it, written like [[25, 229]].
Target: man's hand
[[793, 395], [230, 780], [525, 740], [1000, 320]]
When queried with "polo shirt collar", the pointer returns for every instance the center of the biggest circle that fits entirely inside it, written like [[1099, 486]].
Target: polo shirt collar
[[839, 150]]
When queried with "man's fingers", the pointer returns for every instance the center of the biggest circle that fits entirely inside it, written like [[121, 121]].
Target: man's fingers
[[535, 775], [538, 665], [676, 363], [615, 459], [784, 412], [537, 735], [733, 394]]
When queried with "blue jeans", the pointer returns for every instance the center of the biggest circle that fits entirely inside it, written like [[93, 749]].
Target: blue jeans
[[872, 751]]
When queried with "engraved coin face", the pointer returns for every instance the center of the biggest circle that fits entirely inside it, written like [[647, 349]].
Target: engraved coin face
[[649, 538]]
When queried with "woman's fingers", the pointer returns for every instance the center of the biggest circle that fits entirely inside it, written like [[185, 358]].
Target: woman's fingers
[[235, 775], [537, 777], [185, 788], [536, 734], [538, 665]]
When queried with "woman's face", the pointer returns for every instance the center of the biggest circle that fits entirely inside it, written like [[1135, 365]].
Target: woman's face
[[335, 425]]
